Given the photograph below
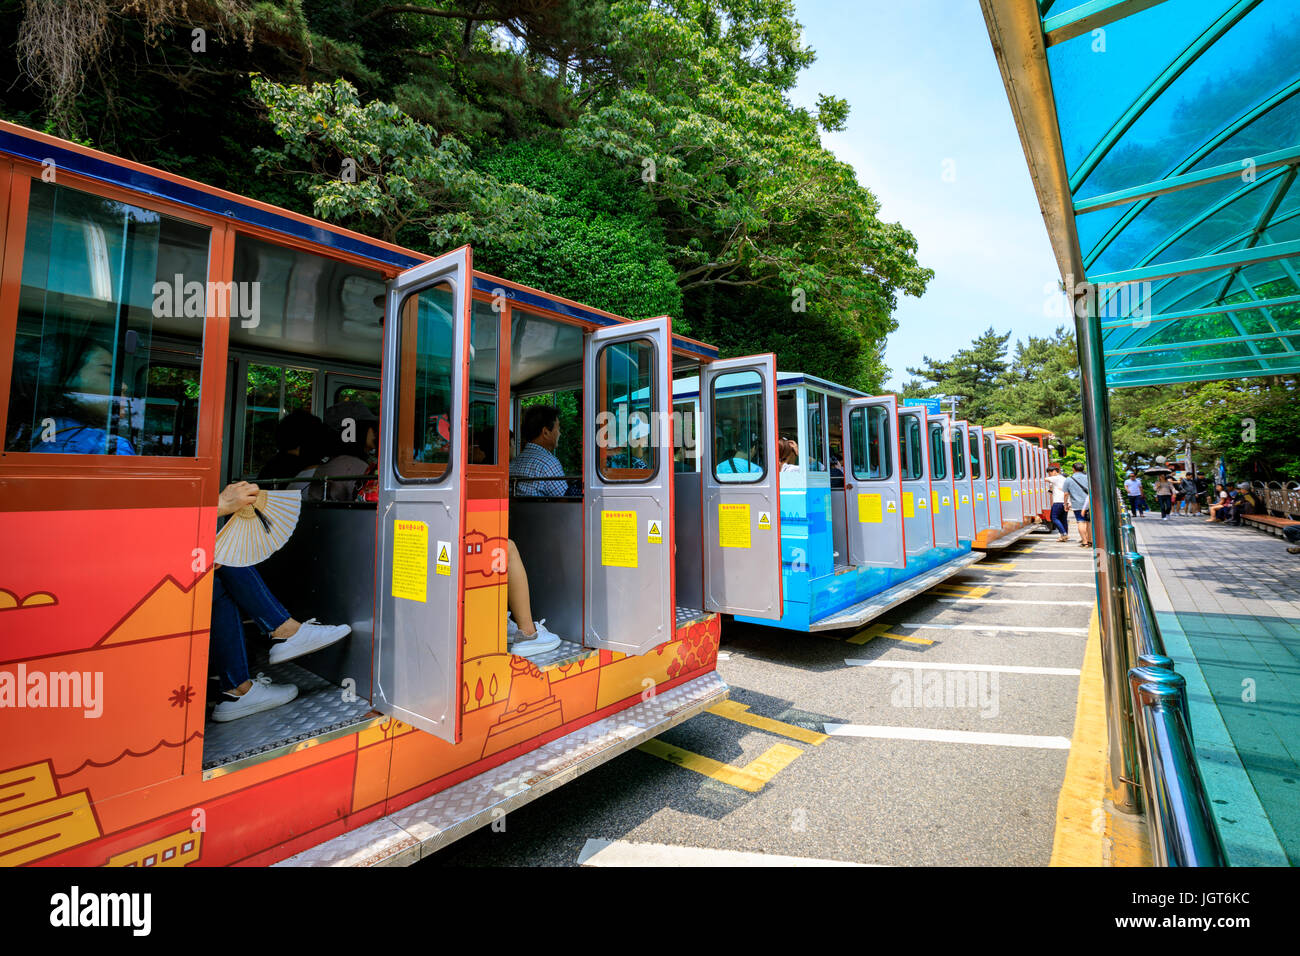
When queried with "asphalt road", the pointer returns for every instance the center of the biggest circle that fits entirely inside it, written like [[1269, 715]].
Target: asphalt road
[[878, 799]]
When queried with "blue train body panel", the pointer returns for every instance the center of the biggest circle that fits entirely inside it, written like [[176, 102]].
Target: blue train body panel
[[812, 588]]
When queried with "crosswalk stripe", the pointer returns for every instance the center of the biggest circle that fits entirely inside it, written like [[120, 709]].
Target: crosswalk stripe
[[995, 627]]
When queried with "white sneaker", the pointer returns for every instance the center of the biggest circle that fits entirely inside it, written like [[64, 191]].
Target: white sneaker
[[539, 643], [309, 637], [512, 629], [263, 695]]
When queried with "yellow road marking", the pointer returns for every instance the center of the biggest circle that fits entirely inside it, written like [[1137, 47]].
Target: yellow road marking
[[751, 777], [1000, 566], [881, 629], [970, 590], [734, 710]]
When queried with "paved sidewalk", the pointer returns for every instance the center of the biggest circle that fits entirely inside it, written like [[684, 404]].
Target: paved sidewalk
[[1228, 600]]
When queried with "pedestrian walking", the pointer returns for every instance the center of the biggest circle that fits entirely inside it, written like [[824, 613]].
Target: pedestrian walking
[[1056, 482], [1137, 502], [1078, 489], [1165, 495]]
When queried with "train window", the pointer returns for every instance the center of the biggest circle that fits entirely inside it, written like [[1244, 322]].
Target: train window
[[835, 439], [738, 428], [484, 366], [787, 423], [974, 457], [686, 450], [273, 391], [1007, 460], [305, 304], [909, 447], [104, 285], [958, 455], [625, 418], [424, 406], [869, 438], [368, 397], [814, 454], [938, 463], [989, 455]]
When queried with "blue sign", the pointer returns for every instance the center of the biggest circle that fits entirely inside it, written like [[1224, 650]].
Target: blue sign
[[931, 404]]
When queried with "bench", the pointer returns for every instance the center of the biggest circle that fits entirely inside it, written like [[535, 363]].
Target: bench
[[1269, 523]]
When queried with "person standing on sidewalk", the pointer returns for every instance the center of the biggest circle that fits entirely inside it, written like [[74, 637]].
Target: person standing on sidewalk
[[1165, 495], [1056, 482], [1078, 490], [1137, 502]]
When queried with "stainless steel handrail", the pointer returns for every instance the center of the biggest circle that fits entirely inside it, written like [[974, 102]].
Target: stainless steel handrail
[[1179, 820]]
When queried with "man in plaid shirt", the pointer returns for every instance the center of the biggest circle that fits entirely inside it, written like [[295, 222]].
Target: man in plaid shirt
[[541, 433]]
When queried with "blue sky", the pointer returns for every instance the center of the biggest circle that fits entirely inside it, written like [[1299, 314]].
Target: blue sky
[[926, 98]]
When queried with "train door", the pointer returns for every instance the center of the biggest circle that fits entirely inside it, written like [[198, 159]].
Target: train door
[[914, 469], [628, 533], [1008, 481], [872, 484], [742, 503], [964, 463], [1040, 460], [1026, 479], [979, 468], [993, 477], [420, 592], [943, 481]]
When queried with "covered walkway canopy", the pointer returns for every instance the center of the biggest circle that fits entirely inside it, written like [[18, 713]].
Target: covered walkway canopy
[[1164, 143], [1163, 139]]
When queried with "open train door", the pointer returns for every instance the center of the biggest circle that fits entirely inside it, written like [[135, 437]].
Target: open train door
[[943, 483], [873, 493], [742, 498], [979, 471], [627, 440], [914, 468], [422, 457], [993, 481], [959, 453]]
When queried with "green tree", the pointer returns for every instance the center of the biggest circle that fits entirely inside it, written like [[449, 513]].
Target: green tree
[[973, 374]]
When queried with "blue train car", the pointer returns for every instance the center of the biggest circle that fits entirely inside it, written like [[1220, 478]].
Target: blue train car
[[864, 524]]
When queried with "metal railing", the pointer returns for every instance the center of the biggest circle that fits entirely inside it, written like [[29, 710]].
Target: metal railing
[[1179, 820]]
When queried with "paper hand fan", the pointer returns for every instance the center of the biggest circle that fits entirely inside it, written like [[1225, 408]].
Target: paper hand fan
[[257, 531]]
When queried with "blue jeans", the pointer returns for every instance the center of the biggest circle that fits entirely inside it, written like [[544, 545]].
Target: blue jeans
[[1058, 519], [235, 592]]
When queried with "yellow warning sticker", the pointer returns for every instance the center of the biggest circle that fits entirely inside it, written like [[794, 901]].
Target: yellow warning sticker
[[411, 560], [869, 509], [891, 507], [764, 521], [733, 526], [1005, 493], [920, 503], [980, 496], [442, 558], [909, 509], [946, 502], [618, 539], [654, 531]]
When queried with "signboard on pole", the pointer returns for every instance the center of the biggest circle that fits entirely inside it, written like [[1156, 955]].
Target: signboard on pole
[[931, 404]]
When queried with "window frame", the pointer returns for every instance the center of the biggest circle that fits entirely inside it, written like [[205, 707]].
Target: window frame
[[597, 406], [736, 480]]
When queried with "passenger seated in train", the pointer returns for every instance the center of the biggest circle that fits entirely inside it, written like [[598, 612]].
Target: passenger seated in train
[[788, 450], [241, 591], [301, 441], [636, 455], [735, 463], [356, 429], [63, 398], [524, 637], [536, 459]]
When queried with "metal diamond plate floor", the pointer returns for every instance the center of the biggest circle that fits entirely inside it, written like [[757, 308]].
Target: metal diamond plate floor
[[319, 708]]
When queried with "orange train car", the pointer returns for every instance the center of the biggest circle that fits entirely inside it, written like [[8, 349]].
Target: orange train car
[[209, 316]]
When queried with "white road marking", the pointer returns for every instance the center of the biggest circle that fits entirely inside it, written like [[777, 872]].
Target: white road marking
[[1017, 571], [624, 853], [896, 664], [724, 655], [1035, 584], [973, 600], [997, 627], [947, 736]]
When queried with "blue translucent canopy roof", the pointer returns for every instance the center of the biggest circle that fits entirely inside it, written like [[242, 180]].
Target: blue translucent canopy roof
[[1163, 137]]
